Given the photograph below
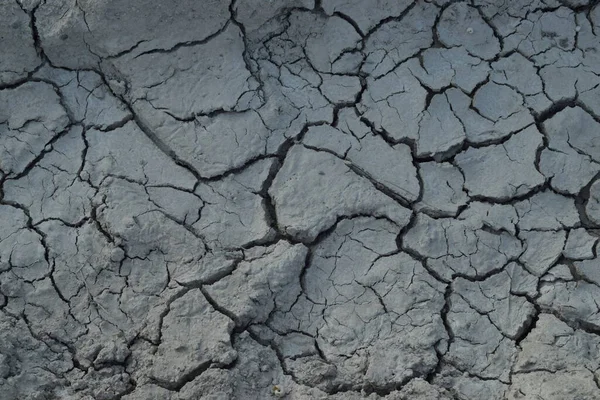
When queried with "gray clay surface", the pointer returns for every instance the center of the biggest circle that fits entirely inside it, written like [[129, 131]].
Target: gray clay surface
[[328, 199]]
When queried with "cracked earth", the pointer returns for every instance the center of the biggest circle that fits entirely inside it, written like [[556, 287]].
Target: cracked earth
[[340, 199]]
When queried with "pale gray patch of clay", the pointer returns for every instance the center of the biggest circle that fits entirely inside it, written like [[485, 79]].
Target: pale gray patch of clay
[[504, 170], [300, 85], [461, 247], [573, 300], [31, 115], [480, 128], [128, 152], [494, 301], [542, 249], [234, 214], [400, 176], [394, 169], [21, 249], [295, 97], [470, 387], [84, 293], [370, 310], [366, 15], [506, 17], [257, 374], [419, 388], [498, 217], [580, 245], [585, 28], [340, 88], [91, 30], [52, 188], [210, 268], [489, 358], [520, 73], [556, 362], [313, 174], [127, 213], [178, 354], [440, 67], [163, 79], [269, 280], [181, 205], [394, 103], [146, 278], [31, 300], [547, 211], [541, 31], [396, 41], [212, 145], [443, 193], [330, 139], [590, 99], [567, 75], [349, 122], [500, 103], [439, 129], [328, 43], [88, 99], [23, 372], [19, 54], [155, 392], [560, 272], [571, 159], [254, 14], [592, 208], [453, 26], [588, 269], [86, 273], [517, 72], [568, 171]]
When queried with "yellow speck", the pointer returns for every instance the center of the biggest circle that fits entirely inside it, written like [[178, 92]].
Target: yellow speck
[[276, 390]]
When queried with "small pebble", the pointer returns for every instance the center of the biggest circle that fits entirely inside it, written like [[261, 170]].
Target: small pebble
[[469, 30], [276, 391], [577, 28]]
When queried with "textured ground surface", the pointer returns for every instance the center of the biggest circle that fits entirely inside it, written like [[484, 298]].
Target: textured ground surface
[[351, 199]]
